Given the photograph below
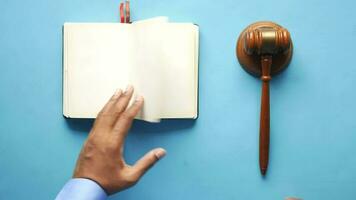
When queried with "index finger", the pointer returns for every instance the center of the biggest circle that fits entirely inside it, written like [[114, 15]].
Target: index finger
[[124, 122], [103, 117]]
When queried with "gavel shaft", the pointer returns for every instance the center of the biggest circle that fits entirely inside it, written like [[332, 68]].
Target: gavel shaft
[[266, 62]]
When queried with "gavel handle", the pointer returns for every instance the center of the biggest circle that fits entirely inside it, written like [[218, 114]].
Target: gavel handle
[[266, 62]]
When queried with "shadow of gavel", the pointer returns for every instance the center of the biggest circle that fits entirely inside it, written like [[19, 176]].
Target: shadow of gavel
[[264, 49]]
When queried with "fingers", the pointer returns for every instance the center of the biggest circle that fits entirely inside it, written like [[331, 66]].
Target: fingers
[[109, 105], [104, 117], [115, 106], [122, 103], [124, 122], [148, 160]]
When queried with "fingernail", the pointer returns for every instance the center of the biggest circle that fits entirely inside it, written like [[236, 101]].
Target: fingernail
[[160, 153], [128, 88], [139, 98], [117, 92]]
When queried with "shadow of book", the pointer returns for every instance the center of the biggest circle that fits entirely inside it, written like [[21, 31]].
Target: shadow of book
[[165, 126]]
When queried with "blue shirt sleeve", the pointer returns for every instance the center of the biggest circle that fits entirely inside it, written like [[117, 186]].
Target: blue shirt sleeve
[[81, 189]]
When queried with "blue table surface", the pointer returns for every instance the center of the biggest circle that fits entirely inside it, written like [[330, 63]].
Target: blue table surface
[[313, 128]]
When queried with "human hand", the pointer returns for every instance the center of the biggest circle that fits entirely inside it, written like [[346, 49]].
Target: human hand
[[101, 158]]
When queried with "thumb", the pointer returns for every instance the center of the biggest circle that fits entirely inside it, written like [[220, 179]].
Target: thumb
[[148, 160]]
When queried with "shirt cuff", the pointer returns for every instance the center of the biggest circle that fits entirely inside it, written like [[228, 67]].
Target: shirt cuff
[[81, 189]]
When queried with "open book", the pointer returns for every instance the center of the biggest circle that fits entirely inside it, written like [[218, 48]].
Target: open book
[[159, 58]]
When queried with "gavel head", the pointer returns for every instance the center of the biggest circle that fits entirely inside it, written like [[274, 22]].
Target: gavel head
[[266, 41]]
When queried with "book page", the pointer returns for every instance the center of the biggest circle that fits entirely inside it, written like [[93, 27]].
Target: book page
[[180, 92], [147, 69], [161, 19], [165, 68], [176, 60], [97, 58]]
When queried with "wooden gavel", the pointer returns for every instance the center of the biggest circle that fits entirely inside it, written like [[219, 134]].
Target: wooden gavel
[[264, 49]]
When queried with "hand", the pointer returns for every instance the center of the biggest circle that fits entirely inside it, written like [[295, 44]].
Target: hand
[[101, 158]]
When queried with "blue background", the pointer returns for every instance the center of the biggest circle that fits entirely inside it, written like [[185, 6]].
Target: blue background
[[313, 129]]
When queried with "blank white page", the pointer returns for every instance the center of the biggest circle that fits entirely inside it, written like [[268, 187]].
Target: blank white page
[[96, 63], [180, 52], [165, 69], [147, 70]]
